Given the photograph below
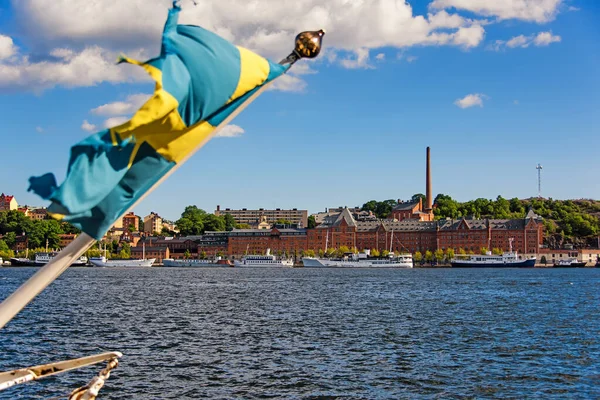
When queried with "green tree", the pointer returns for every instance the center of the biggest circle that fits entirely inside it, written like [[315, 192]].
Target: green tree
[[497, 251], [428, 256], [125, 252], [283, 221], [309, 253], [10, 238], [375, 253], [343, 250], [449, 254], [229, 222], [243, 226], [5, 252], [385, 253], [203, 255], [191, 221], [321, 253], [543, 260], [415, 197], [312, 222], [187, 254], [213, 223], [462, 251], [439, 255], [417, 257], [483, 250]]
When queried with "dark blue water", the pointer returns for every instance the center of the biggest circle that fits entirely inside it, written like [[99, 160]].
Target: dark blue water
[[309, 333]]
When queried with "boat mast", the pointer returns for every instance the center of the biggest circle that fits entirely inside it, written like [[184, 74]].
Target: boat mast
[[326, 240], [391, 240], [143, 250]]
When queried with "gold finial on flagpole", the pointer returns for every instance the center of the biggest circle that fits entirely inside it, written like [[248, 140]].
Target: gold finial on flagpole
[[307, 45]]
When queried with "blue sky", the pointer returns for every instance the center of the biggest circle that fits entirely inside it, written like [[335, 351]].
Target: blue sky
[[347, 128]]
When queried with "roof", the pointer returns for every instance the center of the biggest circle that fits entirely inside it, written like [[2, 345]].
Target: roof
[[407, 205]]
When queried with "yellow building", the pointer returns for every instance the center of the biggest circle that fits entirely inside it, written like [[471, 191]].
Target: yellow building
[[8, 203]]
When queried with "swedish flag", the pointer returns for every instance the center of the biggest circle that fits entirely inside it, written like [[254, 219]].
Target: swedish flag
[[200, 80]]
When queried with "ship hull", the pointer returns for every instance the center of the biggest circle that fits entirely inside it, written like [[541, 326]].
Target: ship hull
[[194, 264], [123, 263], [241, 264], [516, 264], [326, 263], [572, 265]]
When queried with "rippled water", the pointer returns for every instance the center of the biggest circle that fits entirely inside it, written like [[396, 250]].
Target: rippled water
[[309, 333]]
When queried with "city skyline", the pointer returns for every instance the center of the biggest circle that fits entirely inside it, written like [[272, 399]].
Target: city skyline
[[517, 88]]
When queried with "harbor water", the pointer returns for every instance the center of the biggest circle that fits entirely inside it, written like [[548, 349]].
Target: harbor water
[[227, 333]]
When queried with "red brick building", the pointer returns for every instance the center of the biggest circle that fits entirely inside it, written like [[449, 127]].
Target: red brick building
[[160, 253], [411, 210], [130, 219], [212, 243], [257, 241]]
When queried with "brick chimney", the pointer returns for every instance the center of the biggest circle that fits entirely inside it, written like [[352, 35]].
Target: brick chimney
[[428, 194]]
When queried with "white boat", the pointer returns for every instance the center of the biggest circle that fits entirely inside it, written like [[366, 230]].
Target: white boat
[[268, 260], [104, 262], [360, 260], [44, 258], [197, 263], [508, 259]]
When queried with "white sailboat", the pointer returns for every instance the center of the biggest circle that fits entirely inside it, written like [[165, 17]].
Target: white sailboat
[[104, 262]]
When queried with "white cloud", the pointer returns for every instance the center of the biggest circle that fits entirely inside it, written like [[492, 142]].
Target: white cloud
[[39, 129], [88, 67], [380, 57], [288, 83], [572, 8], [86, 126], [7, 47], [518, 41], [516, 102], [408, 58], [93, 32], [360, 60], [545, 38], [230, 131], [131, 105], [522, 41], [115, 121], [528, 10], [471, 100]]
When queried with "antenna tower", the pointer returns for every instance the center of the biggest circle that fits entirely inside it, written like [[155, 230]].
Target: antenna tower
[[539, 170]]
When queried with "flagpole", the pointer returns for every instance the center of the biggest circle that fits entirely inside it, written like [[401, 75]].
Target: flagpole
[[55, 267], [307, 45]]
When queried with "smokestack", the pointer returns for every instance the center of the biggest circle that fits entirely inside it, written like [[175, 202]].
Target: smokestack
[[428, 194]]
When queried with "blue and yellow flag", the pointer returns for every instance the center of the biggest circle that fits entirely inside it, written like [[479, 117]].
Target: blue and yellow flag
[[200, 80]]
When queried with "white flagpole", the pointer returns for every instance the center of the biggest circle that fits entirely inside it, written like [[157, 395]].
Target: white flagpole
[[49, 272]]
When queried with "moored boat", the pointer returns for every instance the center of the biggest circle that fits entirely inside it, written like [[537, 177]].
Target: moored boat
[[267, 260], [42, 259], [104, 262], [197, 263], [569, 263], [360, 260]]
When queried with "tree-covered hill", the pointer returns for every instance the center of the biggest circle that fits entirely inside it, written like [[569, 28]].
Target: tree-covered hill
[[566, 221]]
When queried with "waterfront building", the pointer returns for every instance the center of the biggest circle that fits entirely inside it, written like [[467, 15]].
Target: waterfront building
[[212, 243], [250, 217], [178, 246], [159, 253], [256, 241], [130, 219], [152, 223], [8, 203], [66, 239]]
